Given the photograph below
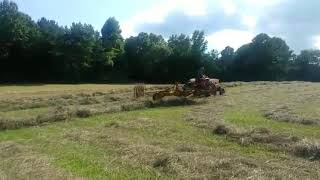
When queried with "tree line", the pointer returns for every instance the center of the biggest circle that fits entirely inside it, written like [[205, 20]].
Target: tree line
[[44, 51]]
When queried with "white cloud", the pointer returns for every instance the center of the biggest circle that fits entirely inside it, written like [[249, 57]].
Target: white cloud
[[263, 3], [317, 42], [249, 21], [230, 22], [194, 7], [157, 13], [229, 6], [219, 40], [229, 37]]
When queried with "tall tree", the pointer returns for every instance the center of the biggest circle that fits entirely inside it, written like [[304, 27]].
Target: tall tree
[[144, 54], [265, 58], [18, 37], [112, 40], [49, 49], [111, 34], [199, 44], [211, 64], [79, 43], [307, 66], [309, 57], [226, 61], [180, 45]]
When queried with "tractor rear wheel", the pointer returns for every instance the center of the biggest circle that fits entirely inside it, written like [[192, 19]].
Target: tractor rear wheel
[[157, 96]]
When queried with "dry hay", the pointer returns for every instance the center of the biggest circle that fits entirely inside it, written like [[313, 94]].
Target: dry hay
[[180, 160], [210, 117], [257, 135], [285, 114], [139, 90], [307, 149], [65, 113], [68, 106], [19, 162]]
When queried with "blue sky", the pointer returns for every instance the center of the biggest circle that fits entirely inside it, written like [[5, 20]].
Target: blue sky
[[94, 12], [226, 22]]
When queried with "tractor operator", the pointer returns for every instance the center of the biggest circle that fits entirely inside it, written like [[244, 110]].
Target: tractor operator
[[200, 74]]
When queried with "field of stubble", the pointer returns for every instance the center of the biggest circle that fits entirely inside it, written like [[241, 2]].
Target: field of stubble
[[261, 130]]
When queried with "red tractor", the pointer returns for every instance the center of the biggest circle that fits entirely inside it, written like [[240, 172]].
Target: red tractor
[[204, 86], [201, 87]]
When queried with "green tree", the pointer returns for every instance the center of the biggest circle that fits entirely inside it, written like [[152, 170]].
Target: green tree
[[188, 55], [180, 45], [45, 51], [17, 29], [111, 34], [211, 64], [78, 48], [214, 55], [18, 37], [309, 57], [49, 49], [225, 62], [265, 58], [145, 54], [112, 40], [199, 44], [307, 66]]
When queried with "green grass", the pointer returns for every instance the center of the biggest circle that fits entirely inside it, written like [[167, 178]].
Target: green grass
[[82, 159], [126, 145], [91, 160]]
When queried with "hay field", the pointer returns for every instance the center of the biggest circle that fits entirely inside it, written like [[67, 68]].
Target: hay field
[[261, 130]]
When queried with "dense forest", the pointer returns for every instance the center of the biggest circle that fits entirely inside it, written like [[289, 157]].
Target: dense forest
[[43, 51]]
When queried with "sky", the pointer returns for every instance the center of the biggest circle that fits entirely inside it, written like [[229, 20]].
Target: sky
[[225, 22]]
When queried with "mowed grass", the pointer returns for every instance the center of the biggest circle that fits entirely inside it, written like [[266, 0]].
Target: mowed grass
[[251, 102], [252, 119], [39, 88], [128, 146], [50, 90], [25, 113], [175, 142]]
